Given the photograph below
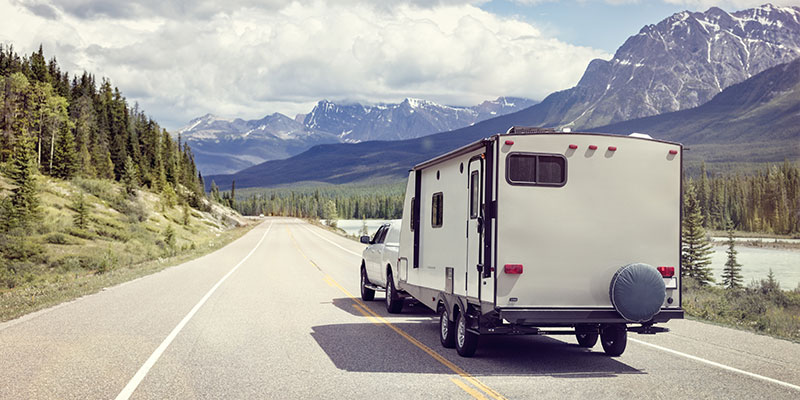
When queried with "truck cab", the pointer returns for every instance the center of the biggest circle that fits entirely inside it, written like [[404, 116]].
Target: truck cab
[[378, 261]]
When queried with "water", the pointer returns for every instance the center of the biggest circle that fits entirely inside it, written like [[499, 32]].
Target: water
[[754, 239], [353, 226], [756, 262]]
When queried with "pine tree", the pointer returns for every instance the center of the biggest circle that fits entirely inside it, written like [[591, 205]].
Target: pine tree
[[81, 217], [731, 274], [24, 205], [187, 213], [65, 159], [696, 248], [232, 202], [130, 176]]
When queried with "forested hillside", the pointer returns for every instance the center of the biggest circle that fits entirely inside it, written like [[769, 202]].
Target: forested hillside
[[93, 192], [76, 126]]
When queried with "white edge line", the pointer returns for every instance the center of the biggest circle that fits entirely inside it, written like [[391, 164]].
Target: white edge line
[[128, 390], [702, 360], [718, 365], [331, 242]]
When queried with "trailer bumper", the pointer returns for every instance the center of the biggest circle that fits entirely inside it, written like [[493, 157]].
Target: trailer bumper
[[556, 317]]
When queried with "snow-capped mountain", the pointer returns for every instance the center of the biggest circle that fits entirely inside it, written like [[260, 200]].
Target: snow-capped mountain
[[407, 120], [224, 146], [679, 63]]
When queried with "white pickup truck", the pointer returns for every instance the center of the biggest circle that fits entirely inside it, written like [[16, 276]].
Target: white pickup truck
[[378, 261]]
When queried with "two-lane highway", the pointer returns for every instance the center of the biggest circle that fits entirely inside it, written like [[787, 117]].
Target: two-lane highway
[[273, 315]]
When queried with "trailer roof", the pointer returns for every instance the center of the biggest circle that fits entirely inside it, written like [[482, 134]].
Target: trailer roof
[[517, 131]]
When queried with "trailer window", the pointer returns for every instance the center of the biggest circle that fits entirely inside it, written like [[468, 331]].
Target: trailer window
[[536, 169], [437, 210], [474, 194]]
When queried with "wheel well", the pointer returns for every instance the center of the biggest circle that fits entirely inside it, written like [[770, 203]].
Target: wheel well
[[456, 312]]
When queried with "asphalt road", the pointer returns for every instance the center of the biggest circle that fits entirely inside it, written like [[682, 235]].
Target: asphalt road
[[272, 316]]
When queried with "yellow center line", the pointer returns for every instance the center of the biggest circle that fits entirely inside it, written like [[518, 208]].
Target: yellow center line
[[472, 392], [436, 356]]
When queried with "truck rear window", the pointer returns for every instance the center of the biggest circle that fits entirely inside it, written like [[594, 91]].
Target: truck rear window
[[536, 169]]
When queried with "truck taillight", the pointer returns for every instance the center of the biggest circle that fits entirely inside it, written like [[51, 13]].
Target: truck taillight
[[666, 272], [513, 268]]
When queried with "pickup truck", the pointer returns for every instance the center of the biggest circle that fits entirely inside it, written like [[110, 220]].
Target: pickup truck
[[378, 261]]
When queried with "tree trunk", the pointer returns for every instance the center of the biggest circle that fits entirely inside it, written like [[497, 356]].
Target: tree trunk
[[52, 146]]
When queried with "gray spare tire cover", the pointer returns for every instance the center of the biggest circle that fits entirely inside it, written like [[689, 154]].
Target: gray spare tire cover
[[637, 292]]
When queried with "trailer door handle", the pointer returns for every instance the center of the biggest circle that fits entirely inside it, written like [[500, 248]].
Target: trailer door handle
[[480, 267]]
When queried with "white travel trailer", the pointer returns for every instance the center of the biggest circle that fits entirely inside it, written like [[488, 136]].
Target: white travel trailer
[[543, 232]]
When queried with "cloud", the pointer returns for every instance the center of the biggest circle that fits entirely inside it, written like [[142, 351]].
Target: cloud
[[248, 61]]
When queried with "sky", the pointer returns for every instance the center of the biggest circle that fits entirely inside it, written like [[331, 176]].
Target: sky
[[181, 59]]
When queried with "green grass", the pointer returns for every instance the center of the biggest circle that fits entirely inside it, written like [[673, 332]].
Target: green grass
[[760, 307], [55, 261]]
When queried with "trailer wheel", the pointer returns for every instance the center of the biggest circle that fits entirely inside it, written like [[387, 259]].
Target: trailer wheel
[[447, 329], [466, 341], [614, 338], [367, 294], [394, 304], [586, 338]]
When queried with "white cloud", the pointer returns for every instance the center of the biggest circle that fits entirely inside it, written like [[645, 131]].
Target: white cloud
[[249, 61]]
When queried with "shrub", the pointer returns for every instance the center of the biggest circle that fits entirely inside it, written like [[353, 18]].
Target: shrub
[[100, 188], [60, 238], [20, 248], [113, 233], [81, 233]]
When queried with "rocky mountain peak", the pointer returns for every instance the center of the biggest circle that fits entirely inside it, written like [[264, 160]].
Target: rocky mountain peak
[[681, 62]]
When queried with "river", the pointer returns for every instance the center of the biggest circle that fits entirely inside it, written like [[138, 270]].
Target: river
[[756, 261]]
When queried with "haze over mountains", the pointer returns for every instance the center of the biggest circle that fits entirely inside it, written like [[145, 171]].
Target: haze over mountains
[[678, 64], [225, 146]]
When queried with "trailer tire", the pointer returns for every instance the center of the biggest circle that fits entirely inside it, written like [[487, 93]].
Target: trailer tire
[[586, 337], [614, 338], [394, 303], [367, 294], [466, 341], [447, 329]]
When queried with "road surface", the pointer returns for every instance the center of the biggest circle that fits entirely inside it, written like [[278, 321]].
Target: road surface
[[273, 316]]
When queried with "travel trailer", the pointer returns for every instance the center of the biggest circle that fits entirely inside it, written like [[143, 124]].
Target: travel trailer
[[543, 232]]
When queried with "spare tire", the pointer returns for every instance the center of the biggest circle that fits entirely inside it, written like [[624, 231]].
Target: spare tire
[[637, 292]]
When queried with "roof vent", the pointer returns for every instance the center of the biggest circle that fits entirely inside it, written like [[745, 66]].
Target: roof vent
[[640, 135], [522, 130]]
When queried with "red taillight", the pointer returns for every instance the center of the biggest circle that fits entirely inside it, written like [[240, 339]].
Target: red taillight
[[509, 142], [513, 268], [666, 272], [592, 147], [573, 146], [673, 152], [612, 148]]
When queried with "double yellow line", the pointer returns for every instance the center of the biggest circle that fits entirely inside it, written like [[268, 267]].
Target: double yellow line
[[377, 319]]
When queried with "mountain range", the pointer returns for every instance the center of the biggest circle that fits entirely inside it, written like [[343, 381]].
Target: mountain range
[[656, 73], [225, 146]]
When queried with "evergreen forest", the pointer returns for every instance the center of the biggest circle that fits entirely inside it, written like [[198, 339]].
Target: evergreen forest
[[74, 126]]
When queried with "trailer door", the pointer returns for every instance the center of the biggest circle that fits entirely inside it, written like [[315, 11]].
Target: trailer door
[[474, 227]]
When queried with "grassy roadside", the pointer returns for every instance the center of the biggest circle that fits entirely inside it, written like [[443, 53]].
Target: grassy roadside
[[125, 237], [761, 307]]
